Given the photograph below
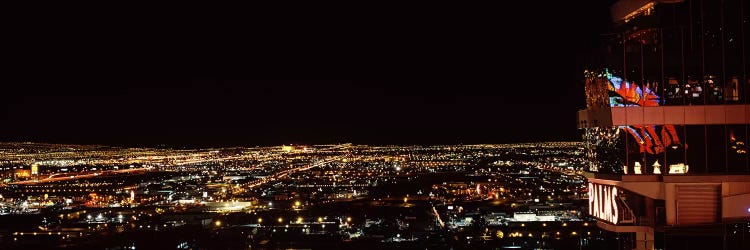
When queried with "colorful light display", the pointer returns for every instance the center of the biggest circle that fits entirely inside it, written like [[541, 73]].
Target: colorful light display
[[620, 149], [625, 94]]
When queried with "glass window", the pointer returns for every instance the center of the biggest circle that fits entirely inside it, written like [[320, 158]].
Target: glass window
[[674, 139], [733, 51], [605, 149], [716, 146], [737, 157], [712, 48], [635, 148], [696, 148]]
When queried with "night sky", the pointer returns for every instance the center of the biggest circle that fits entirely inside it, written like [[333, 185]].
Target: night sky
[[423, 75]]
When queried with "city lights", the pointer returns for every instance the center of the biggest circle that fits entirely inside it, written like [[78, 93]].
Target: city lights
[[526, 192]]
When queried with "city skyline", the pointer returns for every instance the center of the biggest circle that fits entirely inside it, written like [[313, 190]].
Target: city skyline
[[340, 196]]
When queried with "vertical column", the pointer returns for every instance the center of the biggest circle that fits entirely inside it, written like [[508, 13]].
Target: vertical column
[[644, 241]]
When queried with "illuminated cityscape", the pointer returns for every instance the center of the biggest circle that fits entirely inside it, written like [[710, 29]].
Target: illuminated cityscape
[[588, 124], [309, 196]]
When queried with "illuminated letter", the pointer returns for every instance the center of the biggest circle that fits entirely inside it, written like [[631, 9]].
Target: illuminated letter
[[596, 200], [591, 199], [614, 206], [607, 205], [600, 200]]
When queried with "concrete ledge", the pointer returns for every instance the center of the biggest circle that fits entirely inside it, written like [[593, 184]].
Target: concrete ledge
[[675, 115], [624, 229]]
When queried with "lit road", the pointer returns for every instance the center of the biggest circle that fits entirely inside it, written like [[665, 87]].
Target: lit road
[[51, 178], [440, 221], [219, 159], [281, 174]]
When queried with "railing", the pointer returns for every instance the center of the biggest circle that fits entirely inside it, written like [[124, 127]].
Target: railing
[[645, 221], [626, 213]]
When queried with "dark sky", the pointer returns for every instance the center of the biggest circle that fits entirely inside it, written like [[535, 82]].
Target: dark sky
[[423, 75]]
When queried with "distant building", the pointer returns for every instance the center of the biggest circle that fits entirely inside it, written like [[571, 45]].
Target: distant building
[[34, 169], [22, 173], [666, 126], [532, 217]]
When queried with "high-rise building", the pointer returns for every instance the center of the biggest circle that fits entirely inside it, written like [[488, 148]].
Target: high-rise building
[[666, 125]]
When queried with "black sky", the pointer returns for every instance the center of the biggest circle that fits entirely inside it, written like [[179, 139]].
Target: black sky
[[424, 75]]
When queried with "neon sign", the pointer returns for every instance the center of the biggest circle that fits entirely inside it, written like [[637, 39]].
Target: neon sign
[[626, 94], [608, 147], [603, 202]]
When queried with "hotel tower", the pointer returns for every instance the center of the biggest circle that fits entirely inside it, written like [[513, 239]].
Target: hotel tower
[[666, 125]]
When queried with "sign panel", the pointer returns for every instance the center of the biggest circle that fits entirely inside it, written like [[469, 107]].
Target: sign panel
[[603, 202]]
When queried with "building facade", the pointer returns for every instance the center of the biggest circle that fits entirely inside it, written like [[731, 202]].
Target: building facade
[[666, 125]]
